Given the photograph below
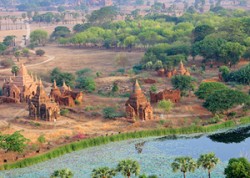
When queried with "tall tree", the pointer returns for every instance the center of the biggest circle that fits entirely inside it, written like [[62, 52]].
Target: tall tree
[[63, 173], [238, 168], [39, 37], [184, 164], [208, 162], [103, 172], [128, 167]]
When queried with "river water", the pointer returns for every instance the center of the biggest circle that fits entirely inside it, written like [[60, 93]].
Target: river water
[[155, 155]]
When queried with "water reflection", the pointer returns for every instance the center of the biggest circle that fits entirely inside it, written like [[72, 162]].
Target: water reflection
[[232, 136]]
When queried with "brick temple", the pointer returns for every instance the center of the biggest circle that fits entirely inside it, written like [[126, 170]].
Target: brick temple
[[172, 95], [65, 96], [170, 73], [137, 106]]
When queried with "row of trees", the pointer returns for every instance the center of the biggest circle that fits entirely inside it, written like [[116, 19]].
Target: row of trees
[[169, 39], [237, 168]]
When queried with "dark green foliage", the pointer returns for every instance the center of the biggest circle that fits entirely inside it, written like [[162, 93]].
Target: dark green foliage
[[238, 168], [81, 27], [201, 31], [64, 112], [2, 48], [9, 40], [183, 83], [14, 70], [60, 32], [103, 15], [115, 87], [222, 100], [241, 76], [15, 142], [59, 76], [119, 137], [207, 88], [224, 72], [109, 113], [86, 83], [85, 80], [40, 52]]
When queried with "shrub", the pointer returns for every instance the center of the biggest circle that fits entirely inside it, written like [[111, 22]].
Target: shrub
[[40, 52], [41, 139], [109, 113], [86, 83], [77, 102], [153, 88], [1, 92], [64, 112]]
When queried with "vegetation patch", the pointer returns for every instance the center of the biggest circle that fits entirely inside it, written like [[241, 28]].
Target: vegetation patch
[[119, 137]]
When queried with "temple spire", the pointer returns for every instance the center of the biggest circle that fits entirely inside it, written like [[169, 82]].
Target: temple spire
[[54, 84], [136, 87]]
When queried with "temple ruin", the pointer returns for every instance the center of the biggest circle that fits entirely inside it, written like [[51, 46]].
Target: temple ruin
[[172, 95], [19, 88], [170, 73], [137, 106], [65, 96], [42, 107]]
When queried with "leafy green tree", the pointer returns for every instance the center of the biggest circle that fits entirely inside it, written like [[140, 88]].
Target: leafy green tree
[[208, 162], [15, 142], [14, 70], [128, 167], [18, 55], [109, 113], [85, 80], [165, 105], [39, 37], [201, 31], [103, 172], [209, 48], [104, 14], [2, 48], [231, 53], [237, 168], [63, 173], [183, 83], [60, 77], [25, 52], [224, 72], [241, 75], [60, 32], [222, 100], [184, 164], [206, 88], [9, 40]]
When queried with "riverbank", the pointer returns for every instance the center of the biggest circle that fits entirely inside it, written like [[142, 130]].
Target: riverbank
[[120, 137]]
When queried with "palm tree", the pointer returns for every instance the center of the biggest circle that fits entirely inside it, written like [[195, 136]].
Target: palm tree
[[103, 172], [208, 161], [184, 164], [128, 167], [63, 173]]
